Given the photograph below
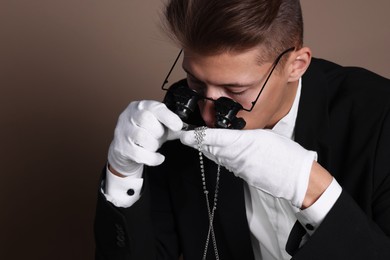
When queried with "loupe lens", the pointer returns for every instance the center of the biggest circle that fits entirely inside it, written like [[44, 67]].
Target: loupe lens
[[226, 110]]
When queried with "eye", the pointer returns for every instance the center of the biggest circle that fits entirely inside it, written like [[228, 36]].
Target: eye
[[236, 91]]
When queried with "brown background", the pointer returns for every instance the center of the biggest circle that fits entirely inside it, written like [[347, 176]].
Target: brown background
[[68, 68]]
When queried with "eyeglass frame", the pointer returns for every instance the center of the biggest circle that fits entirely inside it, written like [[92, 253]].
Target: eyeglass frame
[[211, 99]]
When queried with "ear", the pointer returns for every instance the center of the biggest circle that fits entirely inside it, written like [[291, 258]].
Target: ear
[[300, 61]]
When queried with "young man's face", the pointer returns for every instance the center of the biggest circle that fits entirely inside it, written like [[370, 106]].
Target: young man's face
[[240, 77]]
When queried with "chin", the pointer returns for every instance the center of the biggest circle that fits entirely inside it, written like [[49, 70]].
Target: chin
[[250, 126]]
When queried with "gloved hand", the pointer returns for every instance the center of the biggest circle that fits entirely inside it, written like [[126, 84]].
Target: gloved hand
[[141, 129], [264, 159]]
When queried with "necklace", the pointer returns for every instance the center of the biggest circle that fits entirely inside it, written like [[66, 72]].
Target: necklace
[[200, 133]]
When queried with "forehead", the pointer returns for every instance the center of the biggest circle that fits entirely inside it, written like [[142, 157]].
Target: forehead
[[227, 65], [249, 56]]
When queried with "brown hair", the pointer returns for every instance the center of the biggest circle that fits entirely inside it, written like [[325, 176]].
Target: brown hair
[[215, 26]]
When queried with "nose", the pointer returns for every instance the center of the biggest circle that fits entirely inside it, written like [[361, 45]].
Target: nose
[[207, 112], [206, 106]]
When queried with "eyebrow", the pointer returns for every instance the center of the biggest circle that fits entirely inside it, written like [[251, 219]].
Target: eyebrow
[[233, 84]]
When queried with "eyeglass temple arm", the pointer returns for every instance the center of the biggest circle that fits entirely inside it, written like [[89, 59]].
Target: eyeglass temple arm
[[170, 71], [269, 75]]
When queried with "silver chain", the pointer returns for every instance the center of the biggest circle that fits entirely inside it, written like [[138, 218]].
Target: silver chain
[[200, 133]]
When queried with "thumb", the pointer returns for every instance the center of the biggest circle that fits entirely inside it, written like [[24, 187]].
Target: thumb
[[167, 117], [188, 138], [173, 135]]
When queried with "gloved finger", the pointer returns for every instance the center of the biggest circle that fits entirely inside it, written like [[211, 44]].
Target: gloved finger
[[143, 156], [173, 135], [211, 152], [188, 138], [159, 111], [144, 138], [149, 131], [146, 121], [213, 137], [167, 117]]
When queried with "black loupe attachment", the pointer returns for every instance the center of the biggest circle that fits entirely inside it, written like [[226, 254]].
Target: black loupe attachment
[[181, 99], [226, 110]]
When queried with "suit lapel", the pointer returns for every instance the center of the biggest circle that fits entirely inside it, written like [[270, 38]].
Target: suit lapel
[[311, 130]]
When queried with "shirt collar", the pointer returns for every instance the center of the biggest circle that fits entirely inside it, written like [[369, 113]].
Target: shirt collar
[[286, 125]]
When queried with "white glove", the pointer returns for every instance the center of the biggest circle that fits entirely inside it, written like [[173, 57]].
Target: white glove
[[264, 159], [141, 129]]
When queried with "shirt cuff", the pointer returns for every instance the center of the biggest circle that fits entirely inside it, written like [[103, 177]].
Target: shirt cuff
[[312, 217], [123, 192]]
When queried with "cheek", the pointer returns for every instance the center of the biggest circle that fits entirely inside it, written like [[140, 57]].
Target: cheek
[[255, 119], [265, 109]]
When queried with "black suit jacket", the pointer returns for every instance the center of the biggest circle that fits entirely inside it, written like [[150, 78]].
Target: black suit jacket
[[343, 114]]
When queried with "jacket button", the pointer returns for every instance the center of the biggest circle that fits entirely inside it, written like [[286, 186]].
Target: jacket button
[[120, 236], [120, 243], [130, 192]]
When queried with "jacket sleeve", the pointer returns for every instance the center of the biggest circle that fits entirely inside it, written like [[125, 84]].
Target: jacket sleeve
[[346, 233], [353, 231], [137, 232], [123, 233]]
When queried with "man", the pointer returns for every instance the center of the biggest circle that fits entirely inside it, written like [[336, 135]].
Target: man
[[306, 178]]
